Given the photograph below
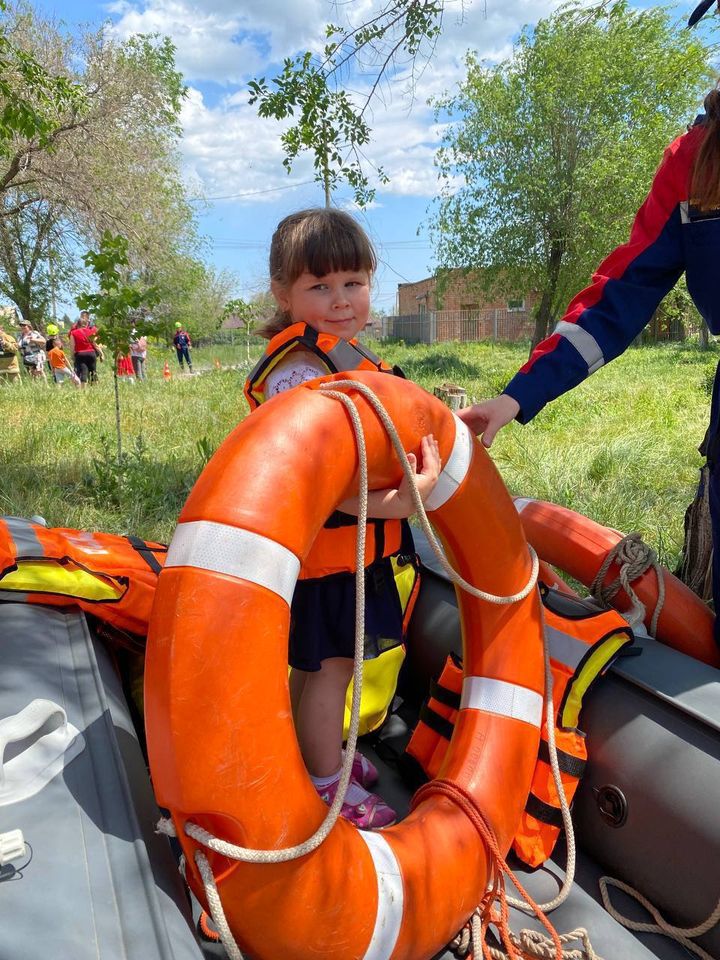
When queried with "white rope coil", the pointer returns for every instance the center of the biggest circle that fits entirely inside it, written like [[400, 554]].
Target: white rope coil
[[634, 558]]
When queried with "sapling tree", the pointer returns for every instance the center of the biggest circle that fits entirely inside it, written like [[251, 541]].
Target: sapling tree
[[249, 312], [120, 306]]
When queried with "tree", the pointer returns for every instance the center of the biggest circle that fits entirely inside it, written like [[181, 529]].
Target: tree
[[555, 147], [32, 100], [189, 292], [250, 313], [120, 305], [112, 167], [331, 123]]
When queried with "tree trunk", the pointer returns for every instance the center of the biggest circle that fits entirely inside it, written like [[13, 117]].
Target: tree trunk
[[704, 336], [543, 317], [544, 311], [118, 431]]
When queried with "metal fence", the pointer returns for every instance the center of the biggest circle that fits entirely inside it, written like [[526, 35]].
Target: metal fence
[[438, 325]]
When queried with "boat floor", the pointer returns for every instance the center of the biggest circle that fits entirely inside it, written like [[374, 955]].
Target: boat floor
[[583, 908]]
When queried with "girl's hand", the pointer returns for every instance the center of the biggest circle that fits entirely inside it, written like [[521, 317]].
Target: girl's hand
[[426, 478], [397, 503], [486, 418]]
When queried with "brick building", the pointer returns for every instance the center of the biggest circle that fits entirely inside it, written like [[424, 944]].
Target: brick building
[[461, 312]]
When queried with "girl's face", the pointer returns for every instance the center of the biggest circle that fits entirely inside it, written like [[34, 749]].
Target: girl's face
[[338, 303]]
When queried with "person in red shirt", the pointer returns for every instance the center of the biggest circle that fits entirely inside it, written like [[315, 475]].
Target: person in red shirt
[[83, 340]]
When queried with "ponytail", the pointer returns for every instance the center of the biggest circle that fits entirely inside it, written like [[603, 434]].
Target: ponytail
[[705, 185], [275, 324]]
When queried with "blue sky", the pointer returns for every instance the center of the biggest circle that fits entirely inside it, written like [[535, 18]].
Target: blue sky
[[228, 152]]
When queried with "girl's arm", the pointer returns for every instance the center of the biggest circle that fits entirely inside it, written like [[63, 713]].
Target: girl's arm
[[397, 504]]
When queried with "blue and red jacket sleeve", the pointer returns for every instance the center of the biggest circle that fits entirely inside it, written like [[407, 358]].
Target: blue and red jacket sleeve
[[605, 317]]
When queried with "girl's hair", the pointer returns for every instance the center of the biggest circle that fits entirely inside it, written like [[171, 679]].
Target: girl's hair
[[319, 241], [705, 186]]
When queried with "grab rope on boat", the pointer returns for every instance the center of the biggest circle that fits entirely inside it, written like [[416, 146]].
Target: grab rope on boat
[[235, 852], [682, 935], [634, 557]]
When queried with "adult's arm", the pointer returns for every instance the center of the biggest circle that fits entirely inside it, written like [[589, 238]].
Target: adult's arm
[[604, 318]]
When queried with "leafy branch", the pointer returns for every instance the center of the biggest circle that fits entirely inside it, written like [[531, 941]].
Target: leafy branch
[[328, 122]]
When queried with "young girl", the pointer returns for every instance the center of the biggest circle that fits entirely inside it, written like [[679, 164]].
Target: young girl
[[321, 267]]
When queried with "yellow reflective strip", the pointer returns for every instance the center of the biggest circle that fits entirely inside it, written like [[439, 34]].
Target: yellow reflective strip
[[380, 677], [257, 390], [405, 577], [601, 654], [66, 579]]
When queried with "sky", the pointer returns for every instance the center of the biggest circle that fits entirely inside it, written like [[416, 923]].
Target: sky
[[232, 160]]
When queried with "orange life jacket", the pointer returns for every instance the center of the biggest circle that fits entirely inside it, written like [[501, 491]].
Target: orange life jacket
[[110, 576], [336, 354], [334, 548], [583, 640]]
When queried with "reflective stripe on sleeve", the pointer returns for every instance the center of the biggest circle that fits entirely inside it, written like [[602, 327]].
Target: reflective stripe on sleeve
[[208, 545], [584, 342]]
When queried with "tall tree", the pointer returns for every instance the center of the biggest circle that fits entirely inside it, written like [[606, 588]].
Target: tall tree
[[32, 102], [554, 148], [112, 167], [328, 121], [39, 261]]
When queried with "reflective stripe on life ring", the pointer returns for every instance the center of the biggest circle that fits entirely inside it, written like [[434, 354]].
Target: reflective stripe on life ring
[[222, 746]]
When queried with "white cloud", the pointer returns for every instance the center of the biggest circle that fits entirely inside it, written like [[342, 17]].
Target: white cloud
[[230, 150]]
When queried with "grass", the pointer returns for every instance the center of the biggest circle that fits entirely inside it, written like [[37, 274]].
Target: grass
[[621, 448]]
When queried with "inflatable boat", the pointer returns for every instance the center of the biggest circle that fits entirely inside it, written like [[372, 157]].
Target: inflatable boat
[[90, 876]]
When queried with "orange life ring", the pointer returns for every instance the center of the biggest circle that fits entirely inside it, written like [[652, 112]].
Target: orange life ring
[[222, 746], [578, 546]]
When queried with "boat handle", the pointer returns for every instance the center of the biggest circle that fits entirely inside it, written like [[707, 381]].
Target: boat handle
[[41, 757]]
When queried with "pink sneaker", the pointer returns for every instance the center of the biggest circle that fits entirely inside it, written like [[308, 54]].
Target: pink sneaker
[[364, 772], [370, 813]]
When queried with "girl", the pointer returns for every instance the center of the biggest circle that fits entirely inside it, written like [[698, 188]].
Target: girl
[[321, 267], [676, 231]]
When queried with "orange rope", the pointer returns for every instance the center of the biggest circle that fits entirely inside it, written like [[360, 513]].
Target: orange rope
[[489, 915]]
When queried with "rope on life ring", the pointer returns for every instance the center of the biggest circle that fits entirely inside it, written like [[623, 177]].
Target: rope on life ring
[[201, 594]]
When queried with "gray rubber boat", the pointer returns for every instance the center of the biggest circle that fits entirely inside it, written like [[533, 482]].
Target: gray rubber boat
[[93, 880]]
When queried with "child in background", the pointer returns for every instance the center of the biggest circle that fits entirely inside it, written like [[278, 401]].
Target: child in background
[[59, 363], [321, 268]]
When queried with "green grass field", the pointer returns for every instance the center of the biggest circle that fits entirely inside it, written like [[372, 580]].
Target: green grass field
[[622, 448]]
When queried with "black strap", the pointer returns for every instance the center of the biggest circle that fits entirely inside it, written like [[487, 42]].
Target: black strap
[[145, 552], [438, 724], [339, 519], [544, 812], [572, 766], [445, 696]]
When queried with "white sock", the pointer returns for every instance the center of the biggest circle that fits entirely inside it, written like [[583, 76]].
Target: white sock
[[355, 794], [322, 782]]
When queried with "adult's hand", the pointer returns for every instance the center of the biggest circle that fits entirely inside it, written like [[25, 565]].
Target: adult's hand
[[486, 418]]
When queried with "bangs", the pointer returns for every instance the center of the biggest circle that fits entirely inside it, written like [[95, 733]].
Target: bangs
[[320, 242]]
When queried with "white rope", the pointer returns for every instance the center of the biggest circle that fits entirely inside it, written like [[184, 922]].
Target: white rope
[[549, 716], [234, 852], [250, 855], [420, 507], [634, 558], [682, 935]]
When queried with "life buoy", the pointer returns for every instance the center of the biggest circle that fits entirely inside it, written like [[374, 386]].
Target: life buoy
[[222, 747], [578, 546]]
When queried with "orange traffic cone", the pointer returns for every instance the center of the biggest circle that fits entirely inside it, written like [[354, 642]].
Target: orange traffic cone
[[166, 371]]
